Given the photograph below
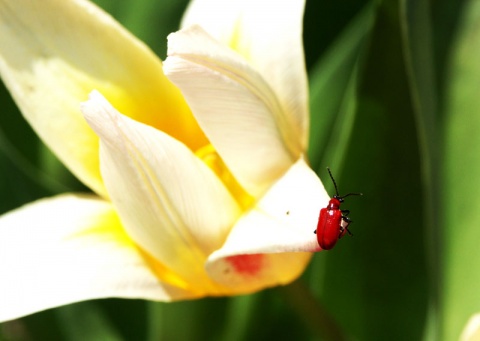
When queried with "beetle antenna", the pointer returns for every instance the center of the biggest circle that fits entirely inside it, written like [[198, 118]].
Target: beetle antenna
[[336, 189], [346, 195], [333, 180]]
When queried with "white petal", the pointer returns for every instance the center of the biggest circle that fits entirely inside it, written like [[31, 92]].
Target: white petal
[[285, 218], [67, 249], [284, 222], [170, 202], [53, 53], [471, 331], [234, 106], [268, 34], [249, 273]]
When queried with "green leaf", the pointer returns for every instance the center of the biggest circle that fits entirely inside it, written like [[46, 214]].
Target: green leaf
[[152, 20], [239, 317], [461, 197], [419, 61], [86, 321], [333, 85], [375, 283], [188, 320]]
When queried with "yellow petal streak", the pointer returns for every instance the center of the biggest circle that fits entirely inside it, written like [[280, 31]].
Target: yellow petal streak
[[210, 157], [166, 275], [167, 112], [236, 42], [109, 224]]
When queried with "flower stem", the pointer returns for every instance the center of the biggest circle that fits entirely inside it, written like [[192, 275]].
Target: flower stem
[[312, 311]]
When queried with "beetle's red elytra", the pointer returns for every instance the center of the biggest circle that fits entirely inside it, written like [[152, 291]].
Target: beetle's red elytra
[[333, 222]]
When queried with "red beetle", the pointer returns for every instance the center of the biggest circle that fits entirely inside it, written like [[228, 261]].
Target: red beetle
[[333, 222]]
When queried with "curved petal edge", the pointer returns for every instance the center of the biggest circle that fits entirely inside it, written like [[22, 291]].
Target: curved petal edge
[[276, 237], [67, 249]]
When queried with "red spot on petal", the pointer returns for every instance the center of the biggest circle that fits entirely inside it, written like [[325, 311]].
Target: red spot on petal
[[248, 265]]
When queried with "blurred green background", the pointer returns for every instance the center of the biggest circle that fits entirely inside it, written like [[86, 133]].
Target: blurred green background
[[395, 113]]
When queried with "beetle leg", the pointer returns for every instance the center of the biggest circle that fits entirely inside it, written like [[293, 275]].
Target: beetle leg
[[343, 229], [345, 212], [344, 226], [315, 231]]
